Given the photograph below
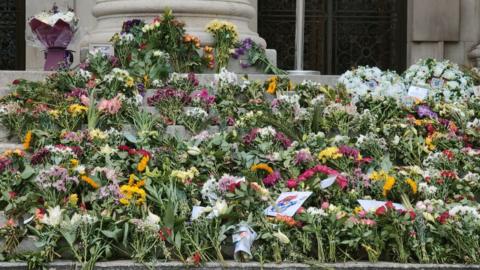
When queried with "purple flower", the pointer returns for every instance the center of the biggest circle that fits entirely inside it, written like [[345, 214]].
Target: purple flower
[[230, 121], [303, 156], [283, 139], [425, 111], [77, 93], [272, 179], [4, 163], [39, 156], [193, 79], [349, 151], [250, 137], [128, 25], [168, 93]]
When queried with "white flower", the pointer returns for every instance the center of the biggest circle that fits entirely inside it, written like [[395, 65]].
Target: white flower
[[83, 218], [107, 150], [281, 237], [225, 77], [316, 211], [53, 217], [220, 208], [194, 151], [152, 219]]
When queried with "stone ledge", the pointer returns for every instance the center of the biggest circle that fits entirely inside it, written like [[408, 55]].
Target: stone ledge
[[130, 265], [7, 77]]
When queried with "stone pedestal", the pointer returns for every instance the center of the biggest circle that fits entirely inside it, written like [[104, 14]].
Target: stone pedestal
[[196, 14]]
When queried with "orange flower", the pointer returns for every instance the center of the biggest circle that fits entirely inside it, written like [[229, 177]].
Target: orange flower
[[27, 140], [142, 165], [262, 166], [90, 181]]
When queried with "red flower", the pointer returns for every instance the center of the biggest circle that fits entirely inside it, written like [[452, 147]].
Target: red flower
[[123, 148], [12, 195], [449, 174], [197, 258], [450, 155], [412, 214], [232, 187], [381, 211], [389, 205], [443, 217], [144, 153], [16, 82]]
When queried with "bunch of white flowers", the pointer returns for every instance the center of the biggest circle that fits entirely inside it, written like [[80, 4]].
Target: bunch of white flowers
[[371, 81], [445, 80]]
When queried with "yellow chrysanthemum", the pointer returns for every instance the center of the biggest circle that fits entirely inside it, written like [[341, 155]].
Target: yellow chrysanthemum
[[388, 186], [331, 153], [77, 109], [142, 165], [412, 184]]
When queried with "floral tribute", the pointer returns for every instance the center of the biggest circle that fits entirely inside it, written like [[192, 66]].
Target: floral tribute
[[101, 175]]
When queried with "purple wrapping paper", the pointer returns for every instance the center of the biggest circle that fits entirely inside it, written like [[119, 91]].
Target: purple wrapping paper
[[56, 36]]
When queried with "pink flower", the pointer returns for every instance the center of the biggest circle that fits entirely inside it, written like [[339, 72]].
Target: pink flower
[[325, 205], [110, 106], [85, 100], [291, 183]]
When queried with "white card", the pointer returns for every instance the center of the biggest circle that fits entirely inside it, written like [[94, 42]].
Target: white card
[[328, 182], [418, 92], [372, 205], [288, 203], [197, 211], [476, 91]]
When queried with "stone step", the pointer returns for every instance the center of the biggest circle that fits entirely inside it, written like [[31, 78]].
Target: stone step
[[4, 146], [130, 265], [7, 77]]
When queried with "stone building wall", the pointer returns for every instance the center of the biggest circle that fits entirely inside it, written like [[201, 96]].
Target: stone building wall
[[444, 29]]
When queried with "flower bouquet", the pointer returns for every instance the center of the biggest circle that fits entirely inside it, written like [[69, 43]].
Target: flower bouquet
[[54, 30], [444, 79]]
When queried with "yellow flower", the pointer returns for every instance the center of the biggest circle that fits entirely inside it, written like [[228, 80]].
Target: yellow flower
[[133, 192], [73, 199], [329, 153], [376, 176], [357, 209], [130, 82], [413, 185], [90, 181], [97, 134], [27, 140], [389, 183], [77, 109], [262, 166], [74, 162], [429, 142], [143, 163], [183, 176], [54, 113], [272, 86]]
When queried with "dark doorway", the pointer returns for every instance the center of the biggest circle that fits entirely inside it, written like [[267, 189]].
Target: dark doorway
[[339, 34], [12, 38]]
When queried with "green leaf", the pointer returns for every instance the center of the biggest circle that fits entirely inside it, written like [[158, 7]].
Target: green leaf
[[29, 171]]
